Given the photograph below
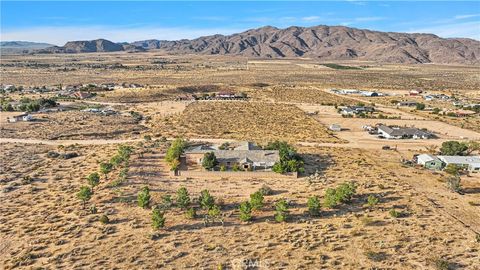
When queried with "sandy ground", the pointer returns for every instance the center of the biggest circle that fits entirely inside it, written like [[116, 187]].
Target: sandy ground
[[44, 225]]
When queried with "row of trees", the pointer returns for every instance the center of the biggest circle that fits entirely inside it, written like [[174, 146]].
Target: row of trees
[[290, 160], [28, 105], [455, 148], [212, 212], [121, 159], [174, 152]]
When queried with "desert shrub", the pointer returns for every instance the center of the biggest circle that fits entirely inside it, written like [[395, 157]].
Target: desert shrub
[[341, 194], [143, 197], [256, 200], [183, 198], [235, 167], [453, 169], [266, 190], [313, 205], [106, 168], [440, 263], [68, 155], [93, 179], [394, 213], [214, 211], [104, 219], [477, 238], [281, 211], [209, 161], [85, 194], [93, 209], [245, 211], [191, 213], [372, 200], [158, 219], [454, 184], [223, 168], [206, 200], [420, 106], [376, 256], [167, 201]]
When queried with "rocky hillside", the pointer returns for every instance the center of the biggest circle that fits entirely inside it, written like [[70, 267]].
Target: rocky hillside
[[13, 47], [321, 42], [98, 45]]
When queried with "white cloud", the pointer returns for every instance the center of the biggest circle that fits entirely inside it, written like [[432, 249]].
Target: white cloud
[[60, 35], [311, 18], [455, 30], [466, 16]]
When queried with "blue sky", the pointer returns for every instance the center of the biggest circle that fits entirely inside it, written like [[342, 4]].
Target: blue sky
[[57, 22]]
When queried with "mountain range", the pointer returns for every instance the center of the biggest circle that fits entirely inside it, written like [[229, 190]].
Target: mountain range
[[317, 42]]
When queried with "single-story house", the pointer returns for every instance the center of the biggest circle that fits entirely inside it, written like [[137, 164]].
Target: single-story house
[[82, 95], [407, 104], [20, 117], [335, 127], [393, 132], [247, 156], [415, 92], [350, 110], [430, 161], [471, 163]]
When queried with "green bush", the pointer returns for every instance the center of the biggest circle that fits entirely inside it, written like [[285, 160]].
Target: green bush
[[281, 211], [394, 213], [256, 200], [158, 219], [143, 197], [266, 190], [206, 200], [104, 219], [313, 205], [183, 198], [209, 161], [341, 194], [175, 151], [191, 213], [106, 168], [453, 148], [93, 179], [372, 200], [214, 211], [245, 211]]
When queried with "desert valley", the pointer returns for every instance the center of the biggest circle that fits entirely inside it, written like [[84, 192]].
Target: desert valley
[[159, 157]]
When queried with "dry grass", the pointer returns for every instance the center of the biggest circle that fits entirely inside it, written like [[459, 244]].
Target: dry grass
[[261, 122], [73, 125], [55, 231]]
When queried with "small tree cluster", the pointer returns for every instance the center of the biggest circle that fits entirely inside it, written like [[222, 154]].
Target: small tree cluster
[[341, 194], [290, 161], [209, 161], [174, 152]]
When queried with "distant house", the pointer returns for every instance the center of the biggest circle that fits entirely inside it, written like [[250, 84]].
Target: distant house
[[350, 110], [470, 163], [463, 113], [430, 161], [415, 92], [392, 132], [82, 95], [407, 103], [335, 127], [186, 97], [21, 117], [247, 156]]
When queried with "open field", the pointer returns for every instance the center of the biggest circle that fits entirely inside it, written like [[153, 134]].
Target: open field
[[260, 122], [72, 125], [56, 231]]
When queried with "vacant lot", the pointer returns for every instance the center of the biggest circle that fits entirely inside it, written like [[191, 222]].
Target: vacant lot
[[261, 122], [73, 125]]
